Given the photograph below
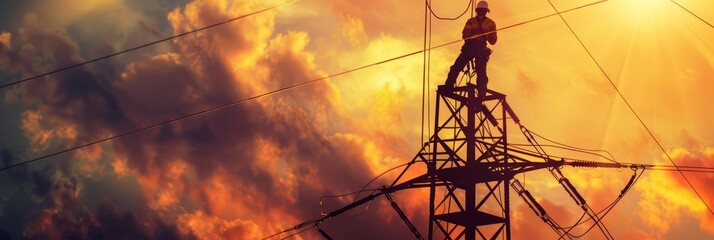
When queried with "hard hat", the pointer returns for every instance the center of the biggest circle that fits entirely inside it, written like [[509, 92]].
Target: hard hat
[[482, 4]]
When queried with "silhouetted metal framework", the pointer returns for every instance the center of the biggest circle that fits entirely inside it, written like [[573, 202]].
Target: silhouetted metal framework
[[469, 168]]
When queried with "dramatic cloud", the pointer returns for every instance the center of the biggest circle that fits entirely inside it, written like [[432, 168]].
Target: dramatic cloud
[[256, 168], [666, 194]]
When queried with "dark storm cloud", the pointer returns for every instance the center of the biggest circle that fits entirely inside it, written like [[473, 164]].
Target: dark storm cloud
[[265, 162], [74, 94], [6, 156], [104, 222]]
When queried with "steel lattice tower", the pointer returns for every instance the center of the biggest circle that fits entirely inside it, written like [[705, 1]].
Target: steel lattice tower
[[470, 171]]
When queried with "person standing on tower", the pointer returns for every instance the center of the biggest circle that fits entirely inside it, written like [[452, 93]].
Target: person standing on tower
[[478, 31]]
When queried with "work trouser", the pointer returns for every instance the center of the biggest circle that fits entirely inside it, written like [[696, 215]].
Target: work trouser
[[472, 49]]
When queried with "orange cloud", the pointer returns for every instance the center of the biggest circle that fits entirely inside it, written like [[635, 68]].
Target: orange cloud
[[5, 41], [40, 135], [353, 30], [667, 198], [211, 227], [525, 224]]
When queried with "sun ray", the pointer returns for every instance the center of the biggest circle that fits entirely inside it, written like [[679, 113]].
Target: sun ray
[[623, 72]]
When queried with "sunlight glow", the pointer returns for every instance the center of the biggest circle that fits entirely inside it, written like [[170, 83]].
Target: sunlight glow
[[646, 9]]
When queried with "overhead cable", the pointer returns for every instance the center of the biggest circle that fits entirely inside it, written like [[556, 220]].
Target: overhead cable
[[695, 15], [431, 10], [144, 45], [424, 75]]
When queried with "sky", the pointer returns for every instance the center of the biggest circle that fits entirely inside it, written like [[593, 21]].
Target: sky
[[256, 168]]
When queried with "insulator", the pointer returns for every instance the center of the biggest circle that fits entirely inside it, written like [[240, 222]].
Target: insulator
[[583, 164], [323, 233], [629, 184], [578, 198], [541, 211], [517, 186]]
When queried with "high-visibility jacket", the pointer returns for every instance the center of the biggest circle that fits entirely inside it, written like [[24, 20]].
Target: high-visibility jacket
[[476, 26]]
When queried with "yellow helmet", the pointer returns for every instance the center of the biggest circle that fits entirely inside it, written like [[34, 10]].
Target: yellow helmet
[[482, 4]]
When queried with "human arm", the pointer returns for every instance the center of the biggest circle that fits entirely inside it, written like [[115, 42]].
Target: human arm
[[469, 30], [492, 37]]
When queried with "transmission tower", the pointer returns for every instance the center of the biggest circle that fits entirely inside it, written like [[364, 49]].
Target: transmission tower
[[470, 170]]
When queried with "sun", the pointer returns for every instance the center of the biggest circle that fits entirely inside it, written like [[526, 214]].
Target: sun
[[644, 10]]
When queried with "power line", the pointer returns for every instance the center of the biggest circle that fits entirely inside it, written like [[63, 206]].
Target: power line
[[609, 208], [373, 190], [632, 109], [377, 177], [602, 226], [564, 148], [449, 18], [518, 24], [313, 222], [316, 221], [292, 235], [423, 73], [144, 45], [612, 158], [695, 15], [212, 109], [364, 189]]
